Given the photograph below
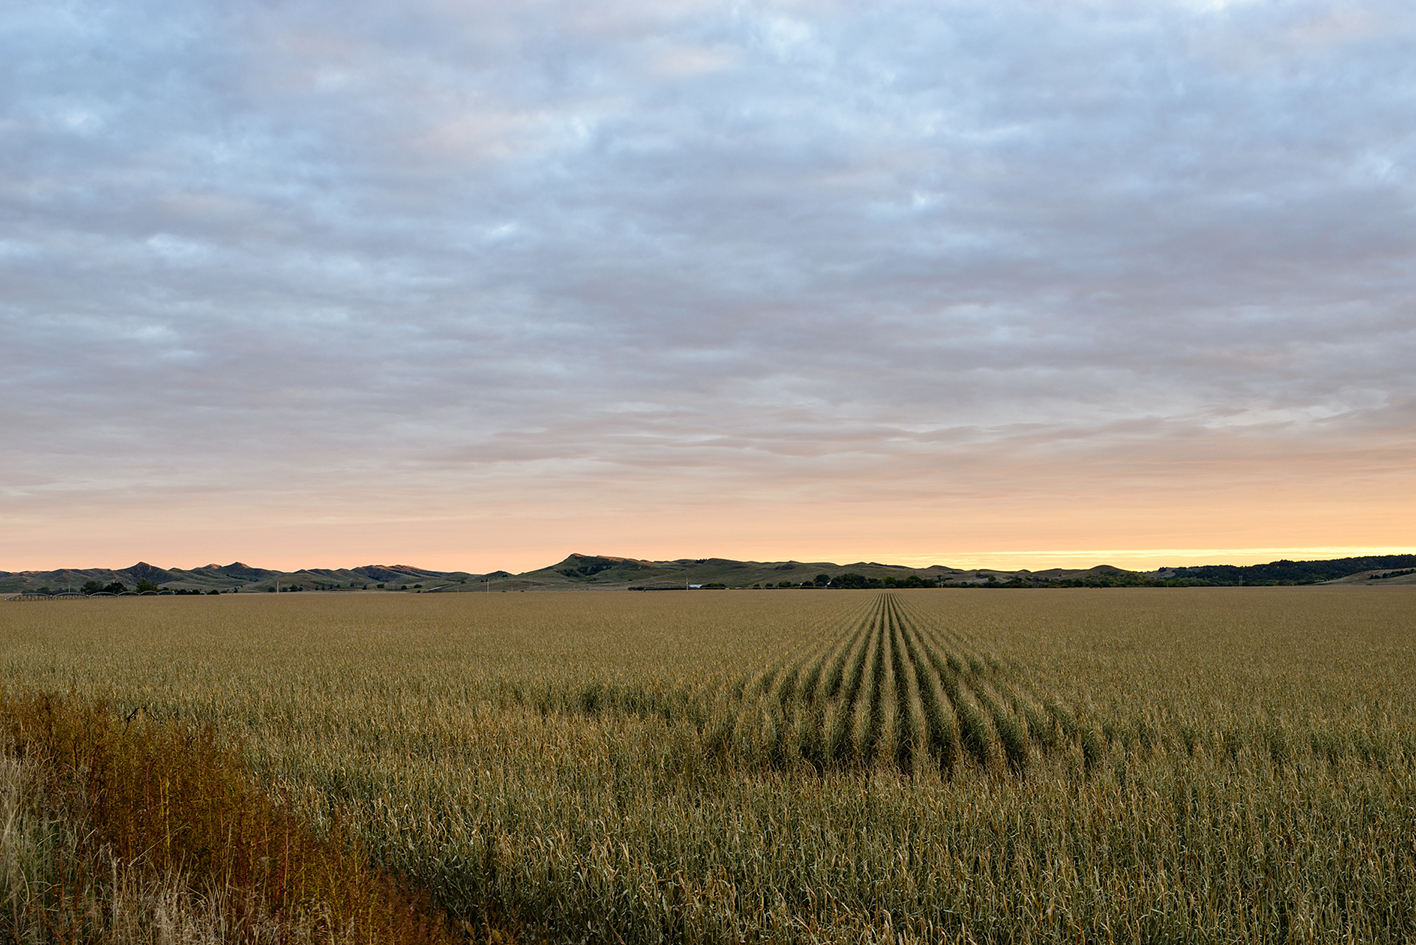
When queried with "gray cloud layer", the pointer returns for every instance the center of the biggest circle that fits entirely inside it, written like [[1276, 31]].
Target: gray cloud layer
[[284, 249]]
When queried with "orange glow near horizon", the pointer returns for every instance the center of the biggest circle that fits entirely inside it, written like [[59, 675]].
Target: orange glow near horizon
[[1141, 506], [961, 534]]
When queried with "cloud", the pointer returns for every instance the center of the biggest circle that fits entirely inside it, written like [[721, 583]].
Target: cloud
[[733, 248]]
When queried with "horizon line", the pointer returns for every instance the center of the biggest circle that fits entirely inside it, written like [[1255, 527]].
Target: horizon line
[[963, 560]]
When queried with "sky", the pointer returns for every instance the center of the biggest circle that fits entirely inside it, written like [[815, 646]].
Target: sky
[[475, 285]]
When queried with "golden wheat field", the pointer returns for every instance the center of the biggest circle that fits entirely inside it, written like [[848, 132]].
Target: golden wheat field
[[1138, 765]]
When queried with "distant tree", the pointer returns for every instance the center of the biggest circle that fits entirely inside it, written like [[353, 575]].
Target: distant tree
[[144, 586], [44, 590], [115, 587], [913, 580], [821, 580], [91, 587], [853, 580]]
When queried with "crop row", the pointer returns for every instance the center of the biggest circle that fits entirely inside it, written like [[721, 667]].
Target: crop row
[[892, 692], [886, 685]]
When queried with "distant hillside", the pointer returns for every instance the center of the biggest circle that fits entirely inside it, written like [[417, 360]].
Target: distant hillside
[[1294, 572], [605, 570], [580, 571], [225, 578]]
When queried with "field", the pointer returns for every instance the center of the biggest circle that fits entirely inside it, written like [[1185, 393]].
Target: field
[[1189, 765]]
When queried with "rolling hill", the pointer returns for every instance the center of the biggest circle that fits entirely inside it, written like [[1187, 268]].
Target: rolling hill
[[581, 571]]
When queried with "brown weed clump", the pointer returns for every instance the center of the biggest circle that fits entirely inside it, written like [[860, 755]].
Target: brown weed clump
[[125, 798]]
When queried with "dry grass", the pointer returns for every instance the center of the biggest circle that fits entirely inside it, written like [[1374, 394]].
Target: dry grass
[[55, 886], [1196, 765], [122, 830]]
